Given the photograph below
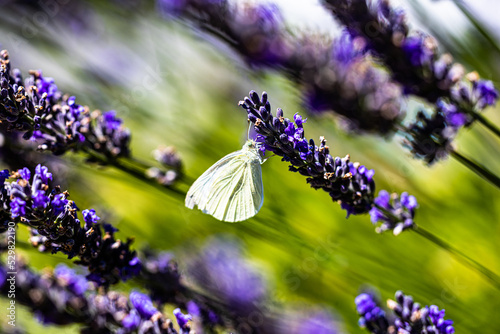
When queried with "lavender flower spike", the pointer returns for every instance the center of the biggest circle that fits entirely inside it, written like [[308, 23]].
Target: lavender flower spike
[[409, 317], [413, 57], [372, 316], [30, 199], [65, 297], [54, 120], [394, 212], [333, 75], [351, 184]]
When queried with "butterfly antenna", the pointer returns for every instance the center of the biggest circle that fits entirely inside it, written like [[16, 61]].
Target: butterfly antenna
[[248, 131]]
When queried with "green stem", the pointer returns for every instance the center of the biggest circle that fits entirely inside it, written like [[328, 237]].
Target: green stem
[[129, 168], [477, 168], [475, 22], [460, 256], [486, 123], [493, 278]]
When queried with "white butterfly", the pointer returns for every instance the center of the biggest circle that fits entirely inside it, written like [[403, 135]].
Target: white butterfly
[[231, 190]]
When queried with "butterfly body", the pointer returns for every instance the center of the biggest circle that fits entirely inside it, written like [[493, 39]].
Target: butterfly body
[[231, 190]]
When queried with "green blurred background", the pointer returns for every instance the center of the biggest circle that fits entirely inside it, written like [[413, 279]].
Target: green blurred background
[[173, 87]]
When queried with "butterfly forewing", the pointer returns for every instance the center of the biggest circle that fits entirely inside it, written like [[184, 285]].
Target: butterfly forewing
[[231, 190]]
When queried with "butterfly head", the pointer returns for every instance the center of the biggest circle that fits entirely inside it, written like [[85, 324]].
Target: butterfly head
[[254, 147]]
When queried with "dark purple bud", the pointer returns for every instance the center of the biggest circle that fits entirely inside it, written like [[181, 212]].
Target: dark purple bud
[[264, 100], [255, 97], [264, 114], [252, 118], [279, 112]]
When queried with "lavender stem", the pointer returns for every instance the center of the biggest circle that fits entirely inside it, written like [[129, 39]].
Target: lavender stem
[[473, 20], [134, 171], [477, 168], [493, 278], [486, 123]]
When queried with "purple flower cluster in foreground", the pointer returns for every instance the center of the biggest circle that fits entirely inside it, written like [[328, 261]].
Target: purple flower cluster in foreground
[[351, 184], [409, 317], [54, 120], [65, 297], [30, 199], [229, 294]]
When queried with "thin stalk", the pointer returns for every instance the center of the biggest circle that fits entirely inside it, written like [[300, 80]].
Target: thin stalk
[[492, 277], [475, 22], [486, 123], [474, 166], [132, 170], [477, 168], [460, 256]]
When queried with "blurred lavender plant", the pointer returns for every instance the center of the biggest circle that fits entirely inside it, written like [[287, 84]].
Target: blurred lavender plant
[[415, 62], [350, 184], [64, 297], [339, 76], [30, 200], [171, 164], [412, 57], [409, 317], [334, 75]]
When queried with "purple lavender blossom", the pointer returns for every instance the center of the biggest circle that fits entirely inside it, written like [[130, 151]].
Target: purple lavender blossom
[[90, 217], [452, 115], [485, 92], [54, 120], [4, 175], [183, 320], [351, 184], [416, 50], [40, 200], [437, 317], [18, 207], [25, 173], [45, 85], [409, 316], [348, 49], [58, 203], [394, 212], [34, 202], [412, 57], [131, 321], [67, 276], [372, 316], [43, 173], [143, 304], [168, 157], [67, 298], [430, 137], [334, 75]]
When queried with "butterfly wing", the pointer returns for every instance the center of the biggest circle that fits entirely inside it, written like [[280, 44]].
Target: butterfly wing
[[231, 190]]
